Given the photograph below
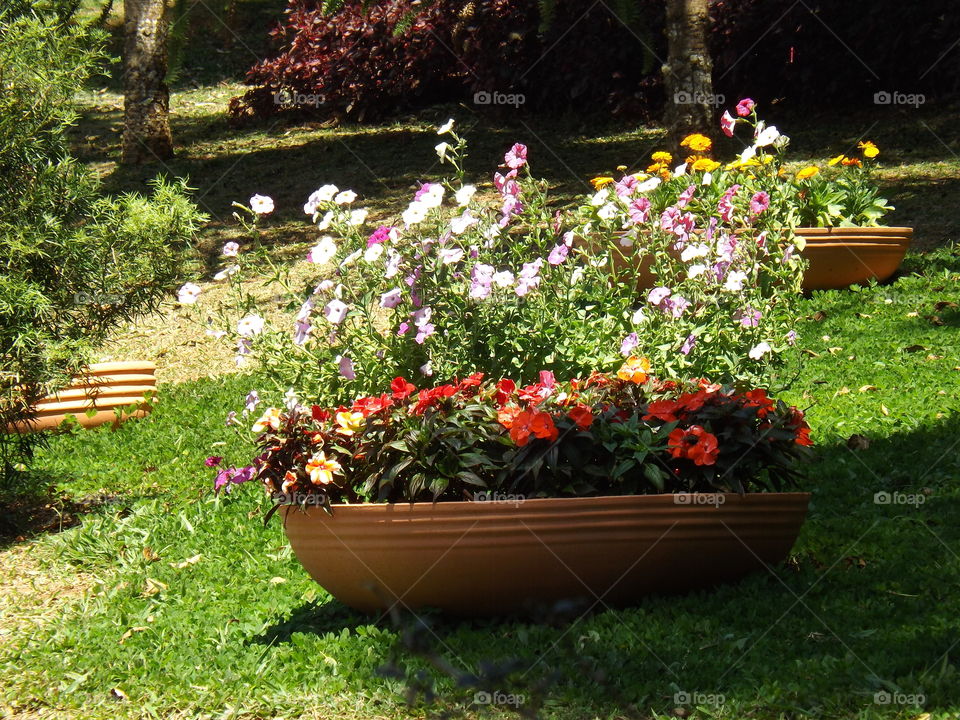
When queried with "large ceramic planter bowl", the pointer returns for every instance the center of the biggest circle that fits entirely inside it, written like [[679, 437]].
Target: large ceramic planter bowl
[[489, 558], [840, 257], [103, 387]]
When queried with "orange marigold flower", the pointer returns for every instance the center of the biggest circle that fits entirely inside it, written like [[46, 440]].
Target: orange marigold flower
[[697, 142], [852, 161], [601, 182]]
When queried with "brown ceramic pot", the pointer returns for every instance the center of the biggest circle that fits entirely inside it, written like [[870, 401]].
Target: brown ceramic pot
[[104, 387], [840, 257], [490, 558]]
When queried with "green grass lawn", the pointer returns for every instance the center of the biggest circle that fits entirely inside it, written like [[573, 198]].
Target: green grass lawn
[[167, 602], [194, 609]]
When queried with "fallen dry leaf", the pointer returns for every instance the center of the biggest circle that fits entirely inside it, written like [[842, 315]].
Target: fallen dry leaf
[[186, 563], [842, 391], [152, 587], [129, 633], [868, 388], [883, 409], [149, 555], [944, 304]]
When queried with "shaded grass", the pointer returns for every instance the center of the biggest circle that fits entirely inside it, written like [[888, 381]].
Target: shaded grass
[[200, 609]]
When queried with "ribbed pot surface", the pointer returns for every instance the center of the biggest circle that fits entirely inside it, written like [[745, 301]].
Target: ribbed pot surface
[[488, 558], [840, 257], [103, 387]]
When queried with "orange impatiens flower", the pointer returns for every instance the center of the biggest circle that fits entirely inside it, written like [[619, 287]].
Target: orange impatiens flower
[[270, 419], [349, 423], [321, 469], [532, 422], [694, 444], [635, 370]]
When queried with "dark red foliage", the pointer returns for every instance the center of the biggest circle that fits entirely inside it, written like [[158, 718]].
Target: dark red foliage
[[372, 59]]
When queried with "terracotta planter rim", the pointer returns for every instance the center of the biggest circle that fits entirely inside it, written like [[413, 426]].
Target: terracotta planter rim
[[455, 505]]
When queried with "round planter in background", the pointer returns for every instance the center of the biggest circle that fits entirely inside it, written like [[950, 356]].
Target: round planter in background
[[840, 257], [103, 387], [491, 558]]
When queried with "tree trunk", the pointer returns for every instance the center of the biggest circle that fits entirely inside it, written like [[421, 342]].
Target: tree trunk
[[146, 97], [687, 74]]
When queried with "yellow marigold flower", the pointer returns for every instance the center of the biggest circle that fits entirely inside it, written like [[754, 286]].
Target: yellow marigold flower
[[270, 419], [601, 181], [635, 370], [808, 172], [349, 423], [657, 167], [321, 469], [621, 168], [869, 149], [697, 142], [641, 176], [767, 159], [705, 164], [662, 157], [838, 159]]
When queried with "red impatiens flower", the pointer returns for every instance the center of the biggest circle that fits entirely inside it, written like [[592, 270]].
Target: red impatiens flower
[[581, 415], [534, 394], [532, 422], [691, 402], [368, 406], [428, 398], [320, 414], [694, 444], [800, 427], [468, 384], [665, 410], [401, 389], [758, 399], [505, 389]]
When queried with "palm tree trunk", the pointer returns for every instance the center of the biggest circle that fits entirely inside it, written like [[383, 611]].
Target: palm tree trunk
[[687, 74], [146, 106]]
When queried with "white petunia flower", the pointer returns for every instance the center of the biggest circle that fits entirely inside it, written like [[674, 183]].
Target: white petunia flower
[[188, 294], [465, 194], [446, 127], [250, 325], [322, 252], [345, 197], [759, 350], [261, 204]]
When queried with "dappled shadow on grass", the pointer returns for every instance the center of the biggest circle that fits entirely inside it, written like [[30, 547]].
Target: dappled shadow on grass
[[317, 617], [34, 506]]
